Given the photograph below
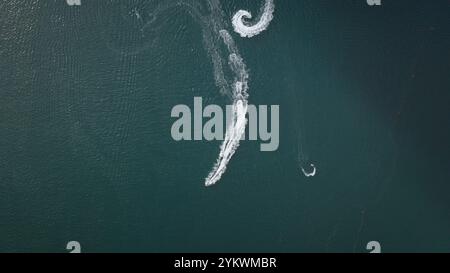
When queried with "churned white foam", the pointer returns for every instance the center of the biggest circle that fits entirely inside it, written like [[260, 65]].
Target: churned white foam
[[234, 133], [236, 128], [245, 29]]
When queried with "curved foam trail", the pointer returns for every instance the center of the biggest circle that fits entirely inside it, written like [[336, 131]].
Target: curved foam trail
[[310, 174], [236, 128], [234, 133], [214, 26], [249, 31]]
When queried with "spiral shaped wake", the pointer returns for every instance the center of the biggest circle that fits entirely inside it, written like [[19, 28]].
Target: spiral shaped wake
[[245, 29]]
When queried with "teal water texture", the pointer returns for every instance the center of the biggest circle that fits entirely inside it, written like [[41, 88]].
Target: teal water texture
[[86, 153]]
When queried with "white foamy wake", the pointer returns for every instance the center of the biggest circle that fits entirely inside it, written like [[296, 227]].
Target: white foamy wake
[[311, 173], [236, 127], [245, 29], [234, 84]]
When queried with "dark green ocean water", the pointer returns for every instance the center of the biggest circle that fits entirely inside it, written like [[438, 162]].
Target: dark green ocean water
[[86, 152]]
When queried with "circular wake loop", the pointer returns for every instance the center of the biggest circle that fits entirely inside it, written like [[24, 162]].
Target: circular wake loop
[[245, 29]]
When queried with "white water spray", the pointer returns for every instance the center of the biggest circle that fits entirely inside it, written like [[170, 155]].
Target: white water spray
[[245, 29]]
